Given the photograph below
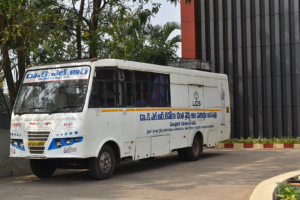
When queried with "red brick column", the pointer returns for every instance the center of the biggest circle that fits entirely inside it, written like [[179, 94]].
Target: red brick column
[[189, 36]]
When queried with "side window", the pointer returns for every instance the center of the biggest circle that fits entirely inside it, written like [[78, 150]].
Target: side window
[[104, 89], [112, 88], [125, 88], [142, 88], [160, 90]]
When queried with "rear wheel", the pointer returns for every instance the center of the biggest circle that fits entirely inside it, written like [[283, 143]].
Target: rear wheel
[[41, 168], [102, 167], [181, 154], [193, 153]]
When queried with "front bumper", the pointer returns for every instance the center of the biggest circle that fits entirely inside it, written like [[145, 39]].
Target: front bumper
[[74, 150]]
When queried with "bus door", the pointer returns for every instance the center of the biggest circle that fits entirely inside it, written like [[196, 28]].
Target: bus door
[[196, 106], [127, 113]]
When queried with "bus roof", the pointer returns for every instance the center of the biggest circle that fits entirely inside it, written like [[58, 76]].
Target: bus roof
[[125, 64]]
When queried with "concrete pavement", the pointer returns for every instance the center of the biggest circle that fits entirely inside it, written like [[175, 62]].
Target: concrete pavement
[[219, 174]]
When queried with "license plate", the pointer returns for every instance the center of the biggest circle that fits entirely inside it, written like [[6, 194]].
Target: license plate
[[36, 144]]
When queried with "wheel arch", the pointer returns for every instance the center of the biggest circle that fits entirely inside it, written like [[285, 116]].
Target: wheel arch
[[199, 134], [114, 145]]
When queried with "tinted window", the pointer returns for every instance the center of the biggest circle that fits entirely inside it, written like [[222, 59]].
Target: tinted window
[[159, 78], [160, 90], [142, 93], [126, 94], [125, 75], [106, 74], [103, 94], [130, 88], [159, 95], [141, 76]]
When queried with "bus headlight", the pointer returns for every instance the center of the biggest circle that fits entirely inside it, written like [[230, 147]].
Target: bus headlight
[[21, 144], [16, 142], [58, 143], [69, 141]]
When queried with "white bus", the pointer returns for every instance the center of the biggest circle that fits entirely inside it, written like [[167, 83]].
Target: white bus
[[91, 114]]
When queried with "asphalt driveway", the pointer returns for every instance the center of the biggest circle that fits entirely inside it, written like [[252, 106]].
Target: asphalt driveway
[[218, 174]]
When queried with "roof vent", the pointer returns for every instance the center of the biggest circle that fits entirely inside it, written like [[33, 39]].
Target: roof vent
[[192, 64]]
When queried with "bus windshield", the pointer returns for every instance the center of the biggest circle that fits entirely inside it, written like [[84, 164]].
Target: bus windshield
[[53, 91]]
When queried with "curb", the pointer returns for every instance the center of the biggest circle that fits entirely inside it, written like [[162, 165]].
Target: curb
[[265, 190], [255, 146]]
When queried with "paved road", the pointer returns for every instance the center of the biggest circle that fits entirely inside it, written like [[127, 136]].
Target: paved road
[[219, 174]]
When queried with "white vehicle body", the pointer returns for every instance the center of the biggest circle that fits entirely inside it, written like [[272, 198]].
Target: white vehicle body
[[197, 102]]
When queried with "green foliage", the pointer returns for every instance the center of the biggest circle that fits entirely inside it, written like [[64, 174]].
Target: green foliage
[[234, 140], [249, 140], [288, 192], [45, 31], [132, 37], [40, 26], [297, 178], [48, 29]]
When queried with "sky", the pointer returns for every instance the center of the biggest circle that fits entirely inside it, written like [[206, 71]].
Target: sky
[[168, 12]]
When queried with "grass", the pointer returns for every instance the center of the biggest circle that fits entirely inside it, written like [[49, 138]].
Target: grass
[[249, 140]]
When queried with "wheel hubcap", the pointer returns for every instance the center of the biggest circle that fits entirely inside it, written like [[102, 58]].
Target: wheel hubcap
[[105, 162], [196, 147]]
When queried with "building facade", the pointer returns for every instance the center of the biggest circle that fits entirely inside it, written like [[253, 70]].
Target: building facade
[[257, 44]]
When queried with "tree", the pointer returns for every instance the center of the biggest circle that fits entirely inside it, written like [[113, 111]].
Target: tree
[[163, 50], [163, 32], [132, 37], [90, 18], [5, 54], [28, 29], [43, 31]]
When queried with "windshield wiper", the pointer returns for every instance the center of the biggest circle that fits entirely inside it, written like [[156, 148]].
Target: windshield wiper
[[59, 109], [29, 109]]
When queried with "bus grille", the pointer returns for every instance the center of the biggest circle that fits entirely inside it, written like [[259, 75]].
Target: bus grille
[[37, 136]]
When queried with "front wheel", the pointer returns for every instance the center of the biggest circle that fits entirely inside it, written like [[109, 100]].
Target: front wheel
[[102, 167], [193, 153], [41, 168]]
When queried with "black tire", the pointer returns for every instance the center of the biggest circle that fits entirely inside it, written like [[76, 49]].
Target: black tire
[[106, 157], [147, 159], [41, 168], [193, 153], [181, 154]]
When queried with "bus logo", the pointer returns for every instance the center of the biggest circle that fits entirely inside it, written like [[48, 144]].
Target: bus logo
[[196, 95], [12, 150], [69, 149], [196, 102]]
